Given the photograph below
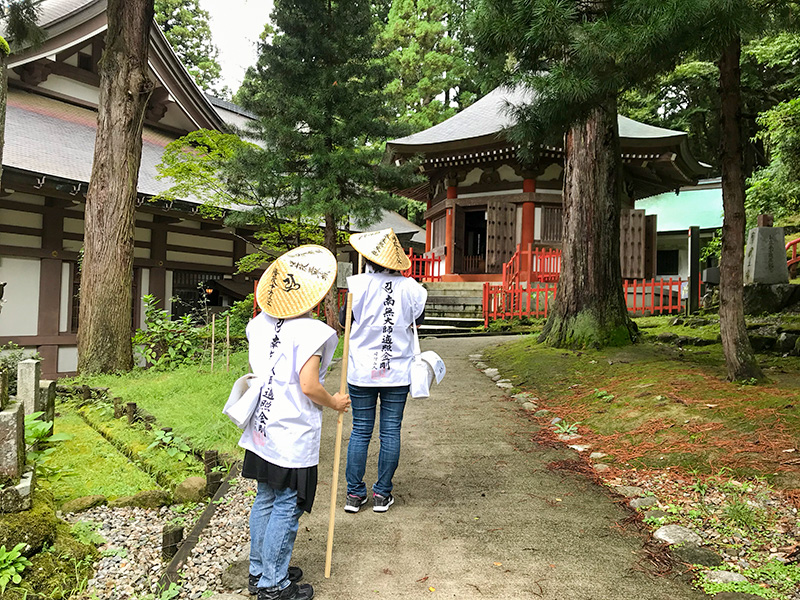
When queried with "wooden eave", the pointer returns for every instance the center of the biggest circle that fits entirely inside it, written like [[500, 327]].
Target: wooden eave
[[79, 27]]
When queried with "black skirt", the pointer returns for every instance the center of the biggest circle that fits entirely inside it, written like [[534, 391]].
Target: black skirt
[[303, 480]]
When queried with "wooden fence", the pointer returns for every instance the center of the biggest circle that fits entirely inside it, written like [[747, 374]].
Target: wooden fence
[[532, 264], [424, 268]]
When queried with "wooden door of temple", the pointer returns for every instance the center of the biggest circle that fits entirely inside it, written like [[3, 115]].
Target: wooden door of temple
[[500, 234], [459, 239]]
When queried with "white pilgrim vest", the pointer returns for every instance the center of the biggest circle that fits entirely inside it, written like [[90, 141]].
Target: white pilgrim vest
[[381, 338], [285, 426]]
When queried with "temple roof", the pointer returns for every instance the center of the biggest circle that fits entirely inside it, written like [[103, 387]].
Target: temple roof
[[485, 120], [658, 159]]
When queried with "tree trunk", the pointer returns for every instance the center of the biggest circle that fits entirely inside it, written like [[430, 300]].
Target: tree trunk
[[590, 308], [3, 103], [331, 312], [104, 332], [739, 357]]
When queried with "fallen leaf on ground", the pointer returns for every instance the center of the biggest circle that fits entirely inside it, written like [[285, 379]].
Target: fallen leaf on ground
[[498, 564], [423, 579], [431, 589]]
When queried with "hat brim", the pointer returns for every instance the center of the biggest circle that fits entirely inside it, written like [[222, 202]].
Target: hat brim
[[296, 281], [381, 247]]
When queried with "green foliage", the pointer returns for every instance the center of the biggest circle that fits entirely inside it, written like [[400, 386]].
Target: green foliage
[[775, 189], [603, 395], [564, 428], [240, 314], [323, 116], [576, 57], [174, 445], [86, 533], [20, 19], [12, 563], [428, 63], [166, 396], [164, 343], [40, 446], [185, 25], [10, 356]]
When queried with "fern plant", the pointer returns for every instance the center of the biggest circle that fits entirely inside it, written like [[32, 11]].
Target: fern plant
[[12, 563]]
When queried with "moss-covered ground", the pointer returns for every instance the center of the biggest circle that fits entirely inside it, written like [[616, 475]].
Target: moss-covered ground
[[658, 405], [89, 465]]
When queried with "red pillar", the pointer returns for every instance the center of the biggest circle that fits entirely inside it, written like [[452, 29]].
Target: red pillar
[[428, 231], [452, 193], [528, 216]]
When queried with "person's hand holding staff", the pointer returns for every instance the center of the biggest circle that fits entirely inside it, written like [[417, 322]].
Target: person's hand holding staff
[[338, 447]]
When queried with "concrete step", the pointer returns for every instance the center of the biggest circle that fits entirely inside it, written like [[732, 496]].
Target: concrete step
[[450, 300], [435, 321], [452, 313], [453, 285], [427, 330]]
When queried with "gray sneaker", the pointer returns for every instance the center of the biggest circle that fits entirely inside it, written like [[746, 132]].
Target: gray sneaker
[[381, 503], [353, 503]]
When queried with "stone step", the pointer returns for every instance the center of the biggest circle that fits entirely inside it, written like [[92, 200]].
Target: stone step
[[452, 313], [453, 285], [444, 293], [436, 321], [427, 330], [450, 300]]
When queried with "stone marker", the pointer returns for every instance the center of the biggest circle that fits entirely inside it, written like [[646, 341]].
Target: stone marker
[[765, 258], [29, 373], [47, 401]]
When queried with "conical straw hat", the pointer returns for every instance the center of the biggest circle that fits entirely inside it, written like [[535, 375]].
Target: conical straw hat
[[296, 281], [381, 247]]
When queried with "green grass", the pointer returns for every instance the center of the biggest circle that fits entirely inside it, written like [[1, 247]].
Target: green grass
[[96, 467], [189, 399]]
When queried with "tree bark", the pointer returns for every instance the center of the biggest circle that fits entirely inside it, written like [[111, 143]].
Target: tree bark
[[3, 103], [104, 332], [739, 357], [331, 311], [590, 308]]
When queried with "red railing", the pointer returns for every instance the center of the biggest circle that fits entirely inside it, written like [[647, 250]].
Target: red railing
[[532, 264], [425, 268], [500, 302], [643, 297], [794, 258]]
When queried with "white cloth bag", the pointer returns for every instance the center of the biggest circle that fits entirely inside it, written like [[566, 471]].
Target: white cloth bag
[[425, 367], [243, 399]]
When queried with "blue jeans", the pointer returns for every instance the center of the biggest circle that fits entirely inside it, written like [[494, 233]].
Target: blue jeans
[[274, 520], [364, 403]]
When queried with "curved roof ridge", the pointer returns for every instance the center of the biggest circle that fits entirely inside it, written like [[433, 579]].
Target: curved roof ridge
[[486, 119]]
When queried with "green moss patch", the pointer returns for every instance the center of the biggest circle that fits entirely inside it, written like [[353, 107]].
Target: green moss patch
[[188, 399], [135, 441], [35, 528], [90, 465]]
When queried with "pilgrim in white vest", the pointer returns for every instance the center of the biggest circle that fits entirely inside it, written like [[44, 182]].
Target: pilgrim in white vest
[[385, 306], [289, 355]]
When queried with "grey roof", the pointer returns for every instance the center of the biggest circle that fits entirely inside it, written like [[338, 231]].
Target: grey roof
[[226, 105], [53, 138], [52, 11], [49, 137], [398, 223], [485, 120]]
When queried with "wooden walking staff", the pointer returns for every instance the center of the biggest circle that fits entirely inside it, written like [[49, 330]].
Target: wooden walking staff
[[337, 452]]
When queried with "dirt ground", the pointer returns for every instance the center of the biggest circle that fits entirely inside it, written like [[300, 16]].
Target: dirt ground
[[477, 514]]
